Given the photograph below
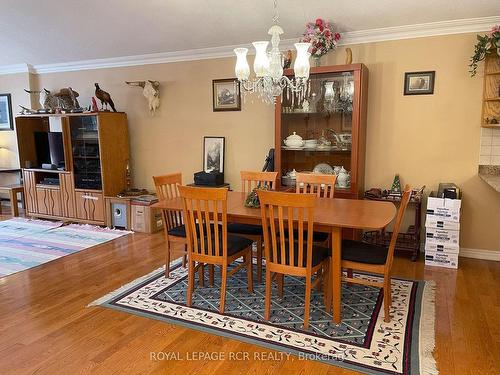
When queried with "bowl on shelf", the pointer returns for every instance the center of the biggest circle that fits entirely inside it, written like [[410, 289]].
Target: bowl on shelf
[[311, 143]]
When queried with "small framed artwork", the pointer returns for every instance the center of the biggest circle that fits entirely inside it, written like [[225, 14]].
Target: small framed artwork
[[213, 154], [6, 120], [226, 95], [419, 83]]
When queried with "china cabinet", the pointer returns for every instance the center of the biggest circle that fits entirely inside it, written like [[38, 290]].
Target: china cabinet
[[325, 130]]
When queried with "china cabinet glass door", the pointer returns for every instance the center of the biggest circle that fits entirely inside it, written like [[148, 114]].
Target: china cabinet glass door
[[324, 121], [85, 149]]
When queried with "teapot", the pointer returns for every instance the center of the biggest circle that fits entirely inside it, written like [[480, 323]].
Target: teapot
[[294, 141], [343, 179]]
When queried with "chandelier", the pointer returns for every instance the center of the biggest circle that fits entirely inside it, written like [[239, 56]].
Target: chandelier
[[270, 82]]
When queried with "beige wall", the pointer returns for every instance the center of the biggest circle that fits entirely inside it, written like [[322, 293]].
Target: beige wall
[[426, 139]]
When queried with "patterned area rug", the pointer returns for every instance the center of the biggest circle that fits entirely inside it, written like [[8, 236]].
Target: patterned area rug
[[362, 342], [28, 243]]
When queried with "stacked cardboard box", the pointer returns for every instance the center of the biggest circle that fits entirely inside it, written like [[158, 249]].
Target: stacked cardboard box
[[442, 227]]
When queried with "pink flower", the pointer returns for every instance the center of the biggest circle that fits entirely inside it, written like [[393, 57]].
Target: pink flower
[[319, 22], [337, 36]]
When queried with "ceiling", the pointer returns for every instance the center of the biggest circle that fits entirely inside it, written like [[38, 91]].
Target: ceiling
[[55, 31]]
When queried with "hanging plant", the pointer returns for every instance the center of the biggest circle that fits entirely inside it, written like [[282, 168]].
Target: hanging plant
[[486, 44]]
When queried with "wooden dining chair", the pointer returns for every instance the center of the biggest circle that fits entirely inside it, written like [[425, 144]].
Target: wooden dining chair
[[208, 242], [249, 181], [175, 232], [373, 258], [323, 185], [287, 255]]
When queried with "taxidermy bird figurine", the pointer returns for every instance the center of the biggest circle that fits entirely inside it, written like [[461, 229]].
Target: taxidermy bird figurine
[[104, 97]]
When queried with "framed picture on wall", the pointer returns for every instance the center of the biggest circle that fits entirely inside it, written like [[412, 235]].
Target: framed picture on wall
[[6, 120], [226, 95], [419, 83], [213, 154]]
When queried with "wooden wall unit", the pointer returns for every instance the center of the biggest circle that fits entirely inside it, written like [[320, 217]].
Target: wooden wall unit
[[320, 118], [96, 154]]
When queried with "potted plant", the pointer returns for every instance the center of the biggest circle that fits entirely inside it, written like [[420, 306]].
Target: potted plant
[[322, 38], [486, 44]]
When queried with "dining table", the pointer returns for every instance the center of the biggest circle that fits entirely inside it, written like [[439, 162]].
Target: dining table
[[331, 215]]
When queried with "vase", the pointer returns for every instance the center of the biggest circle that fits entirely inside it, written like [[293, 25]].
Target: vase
[[317, 61]]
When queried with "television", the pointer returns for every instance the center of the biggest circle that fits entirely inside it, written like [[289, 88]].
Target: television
[[49, 150]]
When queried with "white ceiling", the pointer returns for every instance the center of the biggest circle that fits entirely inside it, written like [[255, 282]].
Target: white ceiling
[[55, 31]]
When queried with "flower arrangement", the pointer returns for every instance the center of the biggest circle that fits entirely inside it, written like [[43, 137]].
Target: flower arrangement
[[486, 44], [321, 36]]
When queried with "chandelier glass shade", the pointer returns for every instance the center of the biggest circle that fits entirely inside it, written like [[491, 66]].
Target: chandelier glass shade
[[269, 81]]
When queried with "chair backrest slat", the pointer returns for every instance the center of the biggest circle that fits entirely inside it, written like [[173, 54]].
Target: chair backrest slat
[[405, 199], [166, 188], [294, 212], [323, 185], [250, 180], [203, 208]]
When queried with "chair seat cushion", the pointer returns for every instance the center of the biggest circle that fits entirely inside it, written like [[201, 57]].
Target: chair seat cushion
[[180, 231], [319, 253], [234, 244], [317, 236], [250, 229], [362, 252]]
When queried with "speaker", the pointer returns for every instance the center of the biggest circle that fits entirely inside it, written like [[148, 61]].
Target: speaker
[[119, 215]]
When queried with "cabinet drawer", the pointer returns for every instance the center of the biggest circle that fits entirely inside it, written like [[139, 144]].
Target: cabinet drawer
[[89, 205]]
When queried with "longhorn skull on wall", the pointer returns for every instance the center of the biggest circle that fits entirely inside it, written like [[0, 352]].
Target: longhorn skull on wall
[[151, 91]]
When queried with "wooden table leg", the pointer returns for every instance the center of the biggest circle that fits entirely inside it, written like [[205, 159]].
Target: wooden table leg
[[336, 272]]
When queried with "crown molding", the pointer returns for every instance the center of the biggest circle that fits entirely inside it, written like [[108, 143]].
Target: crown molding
[[461, 26], [16, 68]]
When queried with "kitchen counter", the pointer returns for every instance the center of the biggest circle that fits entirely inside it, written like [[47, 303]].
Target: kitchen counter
[[491, 175]]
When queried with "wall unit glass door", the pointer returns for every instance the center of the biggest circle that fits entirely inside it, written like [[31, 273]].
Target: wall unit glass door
[[85, 149], [324, 121]]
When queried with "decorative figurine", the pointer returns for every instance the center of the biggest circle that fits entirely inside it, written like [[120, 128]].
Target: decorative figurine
[[47, 100], [348, 56], [105, 98], [288, 59], [305, 105], [396, 186]]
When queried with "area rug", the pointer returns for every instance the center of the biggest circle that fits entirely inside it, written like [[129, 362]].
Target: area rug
[[28, 243], [362, 342]]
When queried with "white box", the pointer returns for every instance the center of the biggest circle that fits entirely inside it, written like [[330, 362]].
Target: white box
[[442, 236], [441, 247], [444, 208], [432, 221], [441, 259]]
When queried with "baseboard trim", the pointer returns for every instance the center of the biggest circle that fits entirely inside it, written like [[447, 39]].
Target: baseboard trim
[[480, 254]]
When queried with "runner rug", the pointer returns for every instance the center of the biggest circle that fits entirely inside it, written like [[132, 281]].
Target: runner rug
[[362, 342], [28, 243]]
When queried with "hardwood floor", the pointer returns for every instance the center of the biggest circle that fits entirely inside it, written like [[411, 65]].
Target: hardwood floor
[[46, 328]]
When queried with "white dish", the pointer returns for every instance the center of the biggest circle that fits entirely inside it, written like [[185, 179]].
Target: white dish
[[293, 148], [323, 168]]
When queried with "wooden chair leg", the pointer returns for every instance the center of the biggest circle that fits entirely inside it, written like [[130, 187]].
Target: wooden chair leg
[[387, 300], [211, 274], [327, 298], [223, 289], [190, 283], [259, 261], [201, 275], [13, 203], [249, 262], [307, 302], [280, 278], [267, 307], [184, 257], [349, 274], [319, 274], [167, 260]]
